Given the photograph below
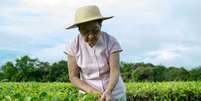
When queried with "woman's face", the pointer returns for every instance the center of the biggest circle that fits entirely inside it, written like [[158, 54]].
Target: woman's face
[[90, 31]]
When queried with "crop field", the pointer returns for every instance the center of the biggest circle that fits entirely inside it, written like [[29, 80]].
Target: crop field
[[56, 91]]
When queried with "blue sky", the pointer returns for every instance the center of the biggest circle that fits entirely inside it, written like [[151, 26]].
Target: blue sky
[[152, 31]]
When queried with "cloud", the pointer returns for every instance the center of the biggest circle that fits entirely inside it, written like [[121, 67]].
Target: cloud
[[12, 49], [10, 54], [153, 31], [171, 55], [51, 54]]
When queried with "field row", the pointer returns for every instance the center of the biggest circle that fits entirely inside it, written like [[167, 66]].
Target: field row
[[159, 91]]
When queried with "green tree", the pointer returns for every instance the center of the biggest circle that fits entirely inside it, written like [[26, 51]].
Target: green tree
[[9, 70], [176, 74], [58, 71], [195, 74], [1, 76], [42, 72], [26, 67], [142, 73], [126, 69], [159, 72]]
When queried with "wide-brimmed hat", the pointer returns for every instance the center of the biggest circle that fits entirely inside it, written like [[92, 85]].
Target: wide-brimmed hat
[[87, 14]]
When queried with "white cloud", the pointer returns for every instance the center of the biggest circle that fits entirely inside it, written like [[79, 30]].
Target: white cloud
[[172, 55], [12, 49], [51, 54], [163, 55], [149, 30]]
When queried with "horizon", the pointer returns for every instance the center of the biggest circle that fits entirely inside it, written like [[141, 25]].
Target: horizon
[[150, 31], [51, 63]]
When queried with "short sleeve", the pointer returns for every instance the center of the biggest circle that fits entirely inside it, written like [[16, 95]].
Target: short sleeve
[[114, 46], [70, 48]]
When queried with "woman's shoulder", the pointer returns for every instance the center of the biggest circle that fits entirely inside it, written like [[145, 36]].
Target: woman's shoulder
[[74, 42], [76, 39], [108, 37]]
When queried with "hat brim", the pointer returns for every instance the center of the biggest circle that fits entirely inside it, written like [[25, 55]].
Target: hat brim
[[88, 20]]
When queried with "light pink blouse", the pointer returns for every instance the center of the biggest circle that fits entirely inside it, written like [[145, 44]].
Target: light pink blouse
[[94, 62]]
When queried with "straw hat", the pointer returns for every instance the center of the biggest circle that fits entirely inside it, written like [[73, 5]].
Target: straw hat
[[86, 14]]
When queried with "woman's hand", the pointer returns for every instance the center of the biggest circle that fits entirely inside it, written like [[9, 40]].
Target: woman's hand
[[106, 96], [95, 91]]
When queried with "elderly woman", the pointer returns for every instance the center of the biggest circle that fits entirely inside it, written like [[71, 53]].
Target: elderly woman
[[93, 57]]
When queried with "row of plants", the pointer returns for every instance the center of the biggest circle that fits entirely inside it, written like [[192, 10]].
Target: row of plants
[[144, 91], [164, 91], [35, 91]]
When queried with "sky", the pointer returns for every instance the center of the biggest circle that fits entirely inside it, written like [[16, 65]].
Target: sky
[[165, 32]]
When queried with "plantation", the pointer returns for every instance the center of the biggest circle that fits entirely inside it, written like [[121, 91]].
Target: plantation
[[144, 91], [29, 79]]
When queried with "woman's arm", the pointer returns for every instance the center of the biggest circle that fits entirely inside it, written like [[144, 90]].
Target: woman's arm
[[114, 77], [74, 77], [114, 71]]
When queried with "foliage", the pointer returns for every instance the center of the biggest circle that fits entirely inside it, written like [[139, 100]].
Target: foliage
[[27, 69], [164, 91], [32, 91], [143, 91]]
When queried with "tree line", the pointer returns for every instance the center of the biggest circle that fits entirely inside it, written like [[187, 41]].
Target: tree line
[[27, 69]]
